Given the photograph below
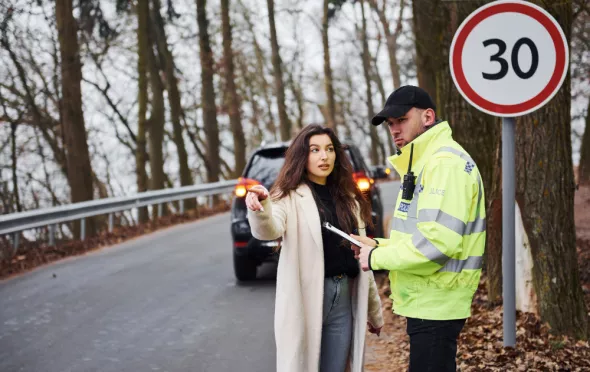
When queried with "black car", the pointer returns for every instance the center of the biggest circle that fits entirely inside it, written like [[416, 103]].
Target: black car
[[263, 168]]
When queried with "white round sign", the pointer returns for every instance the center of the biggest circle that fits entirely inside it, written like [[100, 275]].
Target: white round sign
[[509, 58]]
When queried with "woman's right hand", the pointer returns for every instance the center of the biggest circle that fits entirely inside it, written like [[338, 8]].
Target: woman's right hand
[[254, 196]]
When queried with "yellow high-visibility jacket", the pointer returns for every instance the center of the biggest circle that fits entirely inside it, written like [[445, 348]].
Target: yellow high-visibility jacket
[[434, 252]]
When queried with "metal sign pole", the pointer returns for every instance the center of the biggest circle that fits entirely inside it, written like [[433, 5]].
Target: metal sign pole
[[508, 253]]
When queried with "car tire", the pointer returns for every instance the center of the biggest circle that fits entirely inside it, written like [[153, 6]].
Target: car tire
[[244, 268]]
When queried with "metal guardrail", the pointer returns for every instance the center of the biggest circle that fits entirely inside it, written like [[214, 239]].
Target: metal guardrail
[[16, 222]]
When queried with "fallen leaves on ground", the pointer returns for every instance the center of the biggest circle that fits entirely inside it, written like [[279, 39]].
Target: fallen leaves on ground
[[480, 346]]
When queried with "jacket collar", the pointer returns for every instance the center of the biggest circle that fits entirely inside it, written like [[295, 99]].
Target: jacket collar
[[424, 146], [312, 215]]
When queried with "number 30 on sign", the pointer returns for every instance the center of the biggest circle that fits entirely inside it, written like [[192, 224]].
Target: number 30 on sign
[[509, 58]]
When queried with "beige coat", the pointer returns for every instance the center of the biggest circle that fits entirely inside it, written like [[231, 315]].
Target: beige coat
[[300, 284]]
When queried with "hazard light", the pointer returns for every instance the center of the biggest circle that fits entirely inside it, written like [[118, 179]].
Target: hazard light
[[243, 186], [362, 181]]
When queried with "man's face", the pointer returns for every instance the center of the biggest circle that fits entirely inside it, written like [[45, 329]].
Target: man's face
[[406, 128]]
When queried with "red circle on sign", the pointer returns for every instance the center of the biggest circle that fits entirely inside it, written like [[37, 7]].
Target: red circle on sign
[[555, 80]]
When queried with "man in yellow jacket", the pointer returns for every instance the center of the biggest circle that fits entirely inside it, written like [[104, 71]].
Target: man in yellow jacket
[[434, 252]]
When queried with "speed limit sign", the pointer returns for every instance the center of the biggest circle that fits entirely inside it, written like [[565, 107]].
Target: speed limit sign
[[509, 58]]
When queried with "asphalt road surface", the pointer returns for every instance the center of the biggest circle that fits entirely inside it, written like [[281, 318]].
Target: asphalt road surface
[[167, 301]]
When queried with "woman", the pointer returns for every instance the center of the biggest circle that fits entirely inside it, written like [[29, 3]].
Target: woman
[[323, 299]]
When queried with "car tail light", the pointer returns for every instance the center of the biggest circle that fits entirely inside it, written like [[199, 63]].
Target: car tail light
[[244, 185], [240, 244], [362, 181]]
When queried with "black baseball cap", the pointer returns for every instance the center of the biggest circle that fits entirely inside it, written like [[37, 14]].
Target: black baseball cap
[[401, 101]]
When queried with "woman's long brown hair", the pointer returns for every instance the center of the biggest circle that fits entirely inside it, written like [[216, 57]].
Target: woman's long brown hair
[[340, 182]]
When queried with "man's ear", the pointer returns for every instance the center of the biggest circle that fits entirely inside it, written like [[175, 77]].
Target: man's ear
[[428, 117]]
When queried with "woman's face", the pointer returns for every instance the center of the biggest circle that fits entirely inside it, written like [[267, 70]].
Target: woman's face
[[322, 156]]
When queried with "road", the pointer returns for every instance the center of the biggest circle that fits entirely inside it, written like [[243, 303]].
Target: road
[[167, 301]]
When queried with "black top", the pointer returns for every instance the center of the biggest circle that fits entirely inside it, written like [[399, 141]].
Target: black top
[[338, 256]]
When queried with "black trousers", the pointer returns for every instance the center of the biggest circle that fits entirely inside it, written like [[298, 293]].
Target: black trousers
[[433, 344]]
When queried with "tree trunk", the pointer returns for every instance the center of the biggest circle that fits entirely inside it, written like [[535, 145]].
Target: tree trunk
[[234, 101], [213, 160], [15, 191], [545, 191], [74, 131], [493, 254], [428, 28], [584, 167], [391, 39], [285, 124], [366, 56], [167, 59], [142, 98], [157, 118], [331, 106]]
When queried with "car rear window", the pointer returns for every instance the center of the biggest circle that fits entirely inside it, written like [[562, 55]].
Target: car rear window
[[265, 166]]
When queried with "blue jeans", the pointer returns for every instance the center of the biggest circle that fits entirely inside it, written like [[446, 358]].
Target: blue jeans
[[433, 344], [336, 325]]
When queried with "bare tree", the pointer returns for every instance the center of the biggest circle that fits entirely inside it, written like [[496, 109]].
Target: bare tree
[[142, 100], [167, 59], [79, 170], [260, 77], [157, 117], [213, 158], [232, 99], [331, 106], [391, 37], [366, 59], [285, 124]]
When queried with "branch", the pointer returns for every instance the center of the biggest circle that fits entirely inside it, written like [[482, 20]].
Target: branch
[[112, 105]]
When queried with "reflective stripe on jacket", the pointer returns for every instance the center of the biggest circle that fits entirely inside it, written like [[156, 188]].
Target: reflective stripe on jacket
[[434, 252]]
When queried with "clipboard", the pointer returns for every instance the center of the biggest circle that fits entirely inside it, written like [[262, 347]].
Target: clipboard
[[328, 226]]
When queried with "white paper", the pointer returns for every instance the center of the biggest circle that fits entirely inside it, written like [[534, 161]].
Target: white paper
[[342, 234]]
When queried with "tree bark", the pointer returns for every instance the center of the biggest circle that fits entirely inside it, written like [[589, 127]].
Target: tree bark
[[213, 160], [234, 101], [79, 170], [428, 28], [331, 106], [545, 191], [15, 190], [584, 166], [366, 57], [142, 97], [285, 124], [157, 117], [167, 59]]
